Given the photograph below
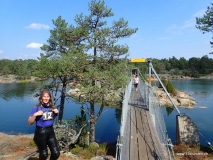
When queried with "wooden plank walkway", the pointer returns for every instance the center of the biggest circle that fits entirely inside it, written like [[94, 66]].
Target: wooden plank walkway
[[144, 141]]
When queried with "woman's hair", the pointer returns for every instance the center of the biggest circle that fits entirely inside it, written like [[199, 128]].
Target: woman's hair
[[50, 101]]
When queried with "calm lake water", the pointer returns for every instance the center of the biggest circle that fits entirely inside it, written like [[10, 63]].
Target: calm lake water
[[202, 91], [17, 100]]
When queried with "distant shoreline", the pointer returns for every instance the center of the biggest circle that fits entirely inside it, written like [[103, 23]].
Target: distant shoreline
[[13, 78], [178, 77]]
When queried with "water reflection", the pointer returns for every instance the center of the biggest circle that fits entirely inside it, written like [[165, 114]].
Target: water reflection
[[169, 110], [17, 90], [118, 113]]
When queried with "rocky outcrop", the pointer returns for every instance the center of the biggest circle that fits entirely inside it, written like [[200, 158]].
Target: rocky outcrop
[[8, 79], [114, 97], [181, 99]]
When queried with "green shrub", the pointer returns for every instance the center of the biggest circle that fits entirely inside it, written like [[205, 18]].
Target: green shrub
[[170, 88], [168, 85], [164, 81], [90, 151], [77, 150], [32, 143]]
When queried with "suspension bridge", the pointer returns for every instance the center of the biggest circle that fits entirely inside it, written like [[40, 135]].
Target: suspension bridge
[[143, 134]]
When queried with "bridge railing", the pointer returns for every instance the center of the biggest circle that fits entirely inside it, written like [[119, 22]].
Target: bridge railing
[[122, 149], [155, 110], [125, 107], [153, 105]]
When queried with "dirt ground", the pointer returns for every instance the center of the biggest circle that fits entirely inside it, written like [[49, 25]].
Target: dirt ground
[[16, 147]]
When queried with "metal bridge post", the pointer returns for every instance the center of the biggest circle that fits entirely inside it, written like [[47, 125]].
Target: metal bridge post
[[152, 69]]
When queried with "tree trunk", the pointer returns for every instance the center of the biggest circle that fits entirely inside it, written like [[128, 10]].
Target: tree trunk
[[92, 122], [61, 110]]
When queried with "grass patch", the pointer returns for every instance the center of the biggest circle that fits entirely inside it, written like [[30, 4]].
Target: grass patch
[[90, 151], [32, 143]]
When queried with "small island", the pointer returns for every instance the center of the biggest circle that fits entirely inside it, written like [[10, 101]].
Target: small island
[[181, 99]]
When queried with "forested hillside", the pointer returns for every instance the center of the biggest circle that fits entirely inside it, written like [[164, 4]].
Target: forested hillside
[[194, 67], [23, 69]]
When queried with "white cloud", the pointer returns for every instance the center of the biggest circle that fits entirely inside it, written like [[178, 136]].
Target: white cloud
[[38, 26], [1, 51], [178, 29], [199, 13], [190, 23], [34, 45], [174, 29], [186, 24]]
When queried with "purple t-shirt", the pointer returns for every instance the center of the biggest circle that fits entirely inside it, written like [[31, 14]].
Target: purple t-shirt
[[44, 120]]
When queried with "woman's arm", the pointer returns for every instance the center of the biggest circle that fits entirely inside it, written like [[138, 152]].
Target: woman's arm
[[55, 111], [32, 118]]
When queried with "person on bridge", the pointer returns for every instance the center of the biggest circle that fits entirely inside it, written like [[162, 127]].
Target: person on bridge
[[44, 114], [136, 81]]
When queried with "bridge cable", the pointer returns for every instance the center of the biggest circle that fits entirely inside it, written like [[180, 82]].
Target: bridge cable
[[152, 68], [210, 145]]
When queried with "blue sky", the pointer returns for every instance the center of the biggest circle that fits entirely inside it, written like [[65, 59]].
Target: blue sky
[[166, 28]]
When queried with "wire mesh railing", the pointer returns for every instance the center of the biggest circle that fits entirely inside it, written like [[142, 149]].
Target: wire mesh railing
[[155, 110], [122, 149], [156, 113], [153, 105]]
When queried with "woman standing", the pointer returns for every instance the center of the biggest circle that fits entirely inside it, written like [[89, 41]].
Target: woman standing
[[44, 114], [136, 81]]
